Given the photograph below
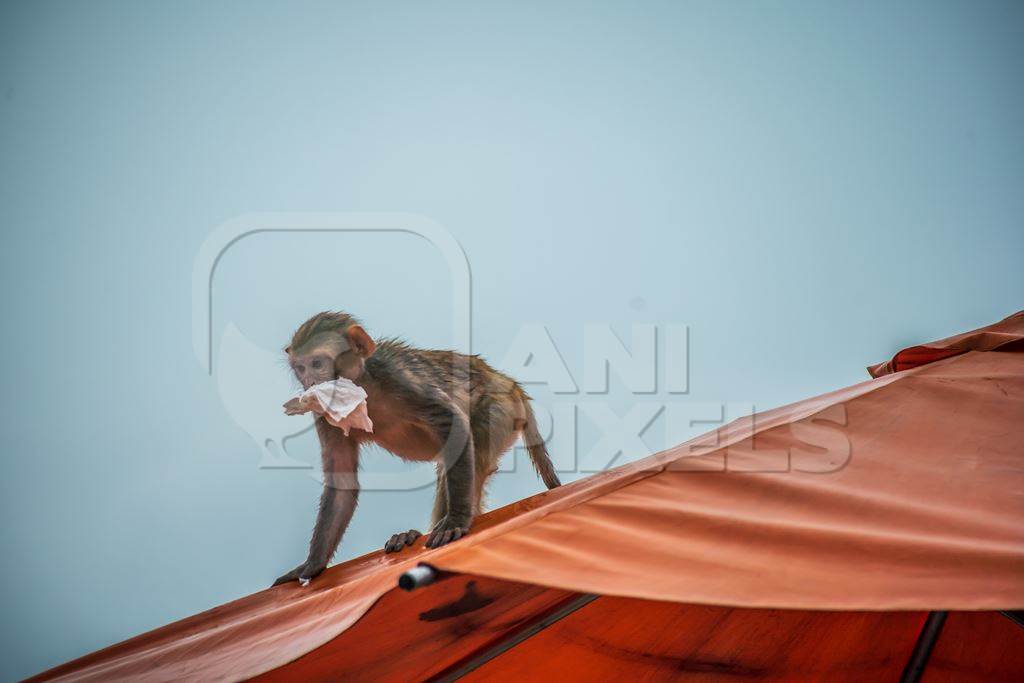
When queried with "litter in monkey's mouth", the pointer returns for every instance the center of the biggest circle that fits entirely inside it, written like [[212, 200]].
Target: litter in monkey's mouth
[[341, 402]]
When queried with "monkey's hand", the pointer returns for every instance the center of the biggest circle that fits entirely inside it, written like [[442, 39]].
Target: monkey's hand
[[294, 407], [400, 540], [448, 529], [304, 573]]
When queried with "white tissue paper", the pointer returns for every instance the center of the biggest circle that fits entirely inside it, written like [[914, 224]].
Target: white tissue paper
[[342, 403]]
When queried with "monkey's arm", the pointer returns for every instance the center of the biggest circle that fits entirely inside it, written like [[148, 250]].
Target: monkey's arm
[[457, 458], [340, 456]]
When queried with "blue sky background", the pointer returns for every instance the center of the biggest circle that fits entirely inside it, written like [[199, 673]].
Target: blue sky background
[[808, 186]]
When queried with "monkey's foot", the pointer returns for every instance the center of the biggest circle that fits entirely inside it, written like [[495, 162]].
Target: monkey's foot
[[400, 540], [303, 574], [446, 531]]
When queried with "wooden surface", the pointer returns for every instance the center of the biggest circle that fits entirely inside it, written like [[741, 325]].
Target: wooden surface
[[977, 646], [418, 635], [413, 636], [635, 640]]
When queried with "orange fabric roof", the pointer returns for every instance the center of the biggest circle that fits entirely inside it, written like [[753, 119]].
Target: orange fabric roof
[[1005, 334], [904, 492]]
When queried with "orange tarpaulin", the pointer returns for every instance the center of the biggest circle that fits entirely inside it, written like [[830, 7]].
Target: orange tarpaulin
[[902, 493], [1005, 334]]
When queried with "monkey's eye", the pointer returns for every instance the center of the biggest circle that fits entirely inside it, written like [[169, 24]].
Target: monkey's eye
[[300, 369], [317, 364]]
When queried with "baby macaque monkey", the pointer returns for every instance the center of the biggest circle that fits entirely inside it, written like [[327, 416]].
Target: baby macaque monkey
[[441, 406]]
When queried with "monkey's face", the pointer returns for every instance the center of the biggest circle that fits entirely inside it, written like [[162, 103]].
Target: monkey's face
[[331, 355], [315, 362], [314, 367]]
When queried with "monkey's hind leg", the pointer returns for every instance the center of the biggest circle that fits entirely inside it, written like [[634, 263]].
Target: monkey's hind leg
[[459, 474], [440, 500]]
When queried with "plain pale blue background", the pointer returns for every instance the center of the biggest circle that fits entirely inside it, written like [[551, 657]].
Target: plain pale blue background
[[809, 186]]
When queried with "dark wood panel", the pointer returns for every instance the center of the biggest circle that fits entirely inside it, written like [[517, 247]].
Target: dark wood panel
[[977, 646], [626, 639], [413, 636]]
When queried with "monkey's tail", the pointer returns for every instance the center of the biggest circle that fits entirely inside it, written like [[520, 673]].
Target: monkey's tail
[[537, 450]]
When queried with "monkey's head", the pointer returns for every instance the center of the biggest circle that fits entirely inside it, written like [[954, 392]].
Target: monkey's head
[[329, 346]]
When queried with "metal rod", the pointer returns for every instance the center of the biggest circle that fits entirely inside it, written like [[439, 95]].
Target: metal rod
[[417, 577], [1016, 617], [516, 638], [923, 647]]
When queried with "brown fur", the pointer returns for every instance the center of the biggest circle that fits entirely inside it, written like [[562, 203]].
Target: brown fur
[[450, 408]]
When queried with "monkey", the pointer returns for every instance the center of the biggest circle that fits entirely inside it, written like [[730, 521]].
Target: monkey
[[449, 408]]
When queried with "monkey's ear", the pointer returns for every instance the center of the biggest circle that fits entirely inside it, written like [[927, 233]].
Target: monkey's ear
[[288, 350], [360, 341]]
